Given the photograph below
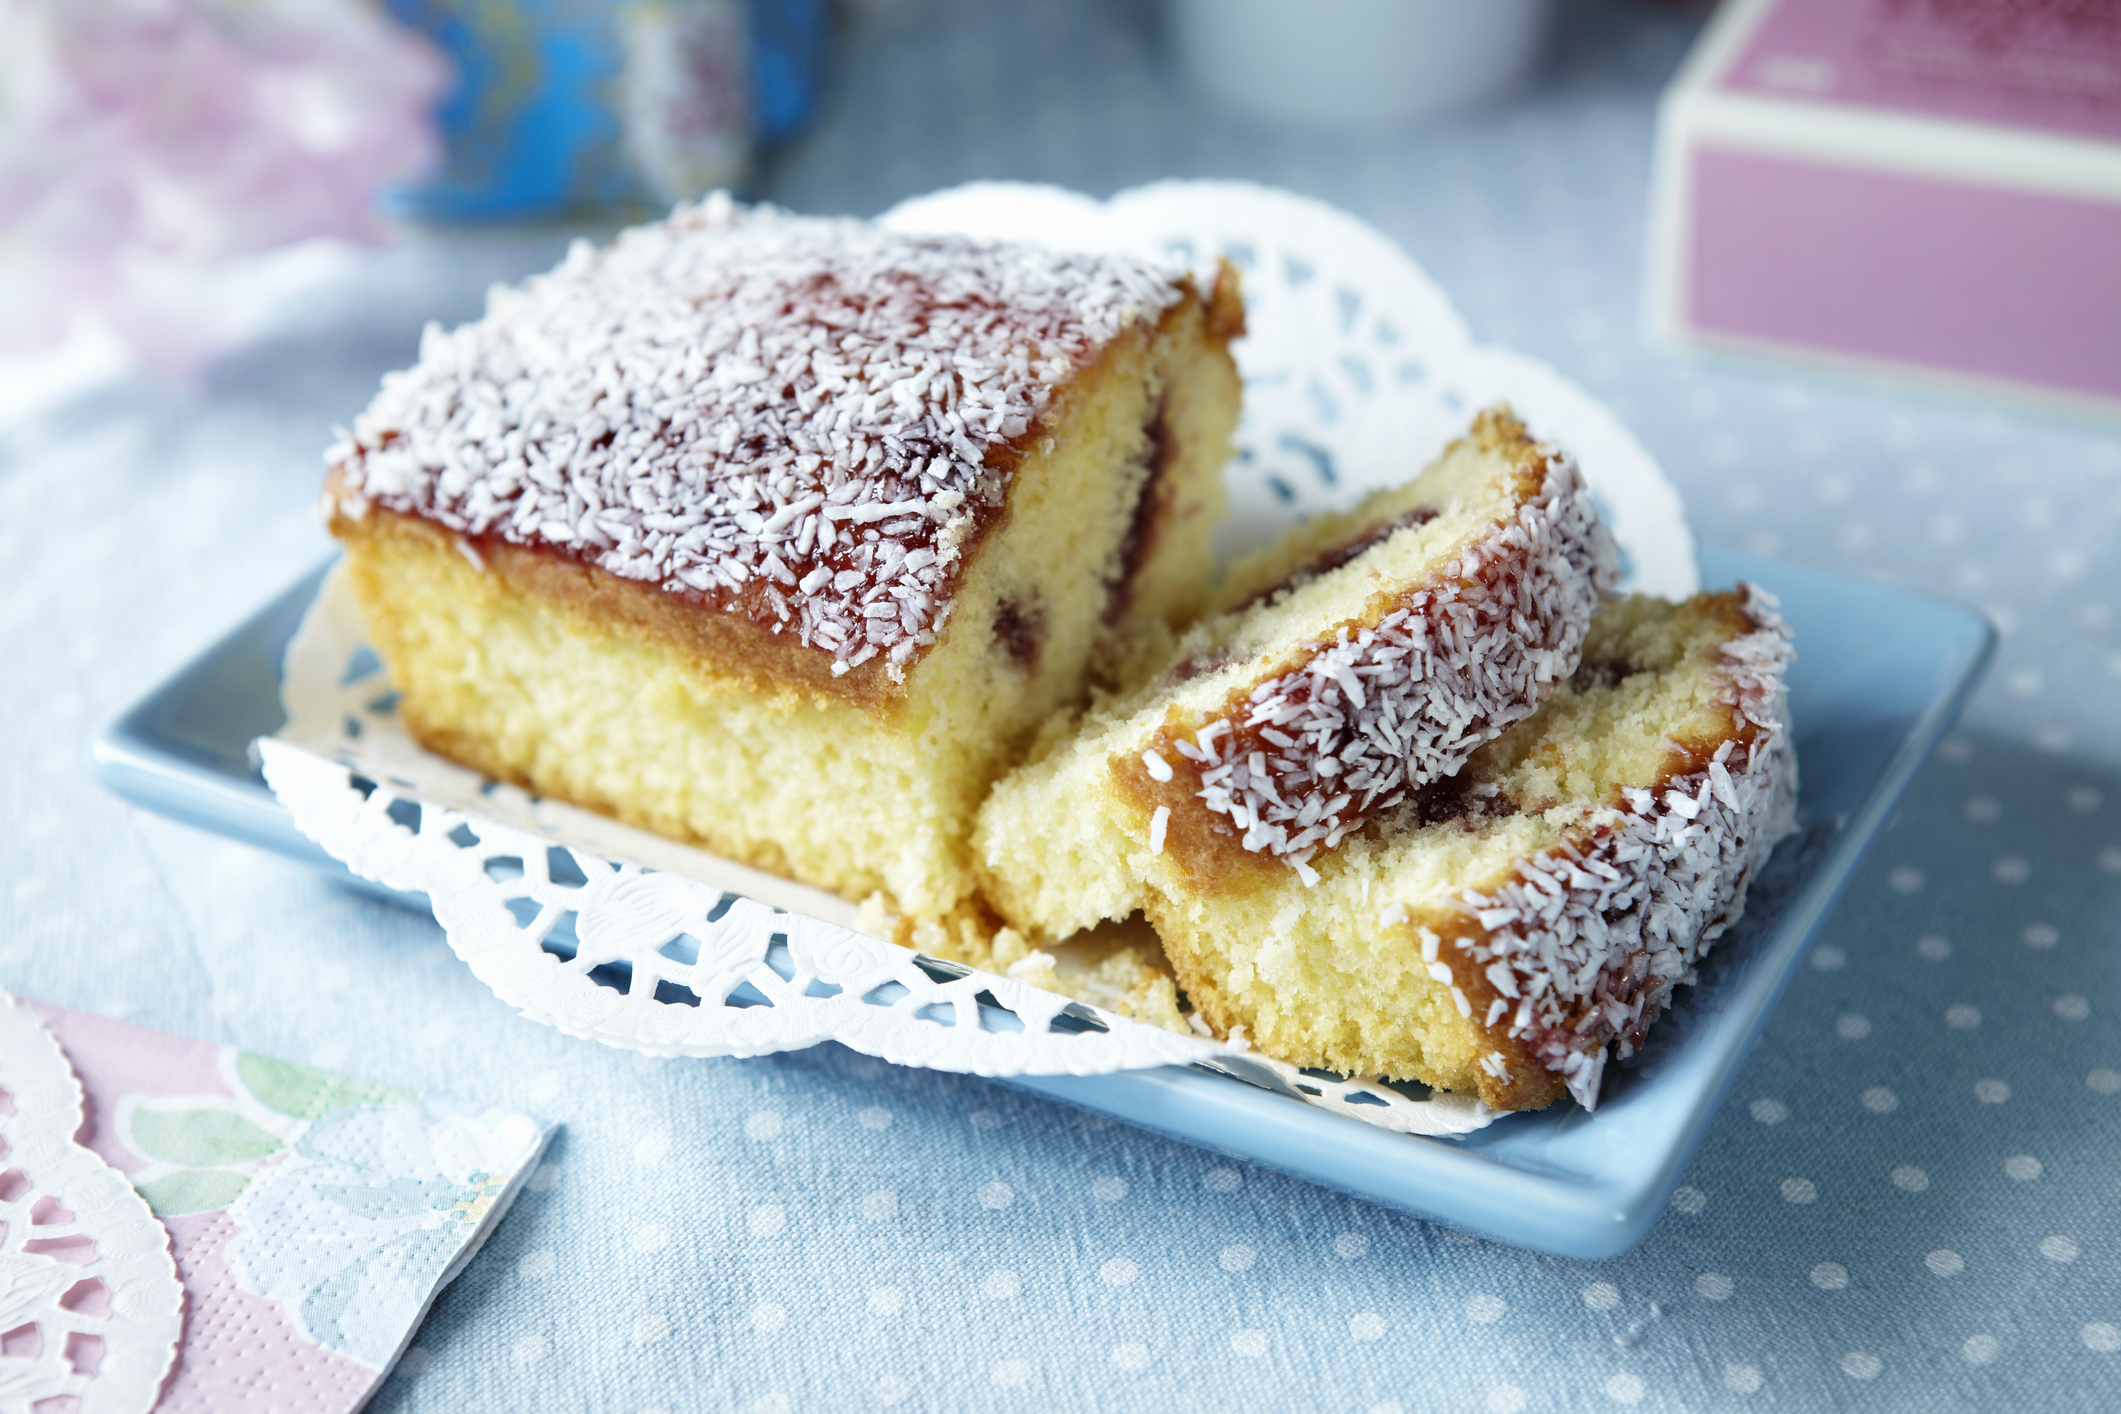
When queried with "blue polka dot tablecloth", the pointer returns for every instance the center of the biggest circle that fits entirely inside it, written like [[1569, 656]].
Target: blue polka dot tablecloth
[[1912, 1201]]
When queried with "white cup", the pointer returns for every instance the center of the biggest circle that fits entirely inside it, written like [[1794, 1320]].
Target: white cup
[[1338, 64]]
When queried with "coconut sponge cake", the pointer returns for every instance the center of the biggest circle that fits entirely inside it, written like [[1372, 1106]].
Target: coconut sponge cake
[[782, 535], [1353, 663]]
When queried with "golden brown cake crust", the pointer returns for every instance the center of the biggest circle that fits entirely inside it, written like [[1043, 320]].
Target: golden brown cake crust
[[736, 636], [805, 424]]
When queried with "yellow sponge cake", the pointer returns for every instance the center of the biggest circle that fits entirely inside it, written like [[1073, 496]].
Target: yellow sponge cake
[[782, 535]]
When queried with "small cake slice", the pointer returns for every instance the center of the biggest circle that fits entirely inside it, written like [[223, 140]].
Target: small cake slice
[[1354, 662], [1498, 930], [782, 535]]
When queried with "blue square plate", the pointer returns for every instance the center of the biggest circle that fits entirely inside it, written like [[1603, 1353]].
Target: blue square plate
[[1880, 676]]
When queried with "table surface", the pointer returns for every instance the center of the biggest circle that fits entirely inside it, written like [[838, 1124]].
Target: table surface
[[1910, 1202]]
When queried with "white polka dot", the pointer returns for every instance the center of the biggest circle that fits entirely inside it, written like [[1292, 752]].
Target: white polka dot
[[1983, 809], [651, 1148], [2101, 1336], [1714, 1286], [1485, 1309], [775, 1403], [1944, 1262], [417, 1358], [1222, 1180], [1689, 1201], [1625, 1388], [1961, 1017], [2023, 1167], [438, 1033], [2041, 936], [1388, 1406], [1827, 959], [1830, 1276], [893, 1389], [2010, 869], [537, 1265], [996, 1196], [2058, 1249], [2071, 1007], [1905, 880], [1741, 1379], [2052, 739], [1012, 1374], [1769, 1111], [651, 1237], [2102, 1081], [1980, 1349], [764, 1125], [1366, 1325], [1248, 1343], [1933, 948], [886, 1301], [1991, 1092], [986, 1119], [1131, 1356], [1601, 1296], [880, 1207], [1861, 1365], [2110, 857], [1118, 1272], [875, 1117], [1799, 1190], [1852, 1027], [543, 1178], [546, 1087], [1350, 1245], [768, 1317], [2084, 799], [1108, 1189], [1507, 1399], [2026, 682], [1880, 1101], [1236, 1257], [532, 1348], [768, 1220], [1956, 748], [1910, 1179], [1001, 1286], [651, 1330]]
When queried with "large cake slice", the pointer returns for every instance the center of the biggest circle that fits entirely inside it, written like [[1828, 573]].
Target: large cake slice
[[782, 535]]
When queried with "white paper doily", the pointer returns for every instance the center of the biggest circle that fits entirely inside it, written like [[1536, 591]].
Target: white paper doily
[[90, 1304], [1357, 373]]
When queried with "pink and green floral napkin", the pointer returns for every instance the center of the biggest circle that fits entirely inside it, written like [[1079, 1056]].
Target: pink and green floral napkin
[[313, 1217]]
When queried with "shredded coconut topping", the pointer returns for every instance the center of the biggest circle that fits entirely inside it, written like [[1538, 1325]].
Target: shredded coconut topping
[[1378, 710], [1586, 944], [805, 421]]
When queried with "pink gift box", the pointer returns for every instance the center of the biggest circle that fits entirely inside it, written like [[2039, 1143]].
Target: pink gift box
[[1921, 187]]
